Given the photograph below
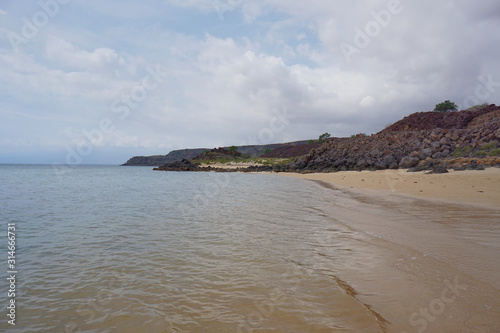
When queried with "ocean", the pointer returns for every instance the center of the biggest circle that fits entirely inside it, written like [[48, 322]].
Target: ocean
[[129, 249]]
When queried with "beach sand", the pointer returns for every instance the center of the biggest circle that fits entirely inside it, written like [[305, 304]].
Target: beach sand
[[474, 187], [425, 233]]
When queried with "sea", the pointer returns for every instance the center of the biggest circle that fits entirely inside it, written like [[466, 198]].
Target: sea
[[129, 249]]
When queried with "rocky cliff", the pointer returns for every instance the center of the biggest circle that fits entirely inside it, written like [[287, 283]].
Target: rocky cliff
[[423, 140]]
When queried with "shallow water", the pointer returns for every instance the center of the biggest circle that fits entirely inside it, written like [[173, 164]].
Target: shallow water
[[126, 249]]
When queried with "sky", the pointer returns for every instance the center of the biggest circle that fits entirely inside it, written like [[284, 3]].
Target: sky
[[97, 82]]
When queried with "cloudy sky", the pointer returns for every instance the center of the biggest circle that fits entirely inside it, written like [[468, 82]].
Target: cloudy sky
[[85, 82]]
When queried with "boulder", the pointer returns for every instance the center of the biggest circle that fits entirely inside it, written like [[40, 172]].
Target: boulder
[[388, 160], [424, 153], [408, 162]]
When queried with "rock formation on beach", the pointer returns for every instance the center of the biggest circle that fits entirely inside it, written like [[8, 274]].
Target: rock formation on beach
[[435, 141], [423, 140]]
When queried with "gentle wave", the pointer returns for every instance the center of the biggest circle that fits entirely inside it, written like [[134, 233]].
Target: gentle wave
[[115, 249]]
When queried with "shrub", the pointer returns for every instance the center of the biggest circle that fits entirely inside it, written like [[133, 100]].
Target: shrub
[[322, 138], [488, 146], [477, 107], [494, 152], [446, 106], [461, 152]]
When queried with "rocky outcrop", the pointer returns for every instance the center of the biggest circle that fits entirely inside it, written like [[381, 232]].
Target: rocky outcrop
[[466, 140], [465, 134], [292, 150], [444, 120], [220, 154]]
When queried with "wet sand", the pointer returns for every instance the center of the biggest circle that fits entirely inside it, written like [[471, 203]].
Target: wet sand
[[475, 187], [433, 262]]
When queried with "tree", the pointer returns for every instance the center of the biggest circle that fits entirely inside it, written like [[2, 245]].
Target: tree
[[446, 106], [322, 138], [233, 148]]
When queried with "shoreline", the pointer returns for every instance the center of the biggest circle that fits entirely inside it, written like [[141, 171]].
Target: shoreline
[[469, 187]]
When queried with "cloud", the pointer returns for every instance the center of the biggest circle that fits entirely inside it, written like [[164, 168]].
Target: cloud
[[3, 12], [226, 79], [367, 101], [98, 60]]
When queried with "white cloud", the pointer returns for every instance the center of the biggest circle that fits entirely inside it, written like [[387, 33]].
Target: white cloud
[[367, 101], [3, 12], [226, 78], [66, 54]]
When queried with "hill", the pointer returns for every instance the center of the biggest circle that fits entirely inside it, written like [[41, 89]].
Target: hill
[[291, 150], [444, 120], [188, 154], [423, 140], [173, 156]]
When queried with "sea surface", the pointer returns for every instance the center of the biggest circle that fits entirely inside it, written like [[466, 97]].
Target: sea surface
[[129, 249]]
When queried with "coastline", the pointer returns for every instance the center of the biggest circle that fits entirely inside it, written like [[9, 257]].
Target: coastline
[[469, 187]]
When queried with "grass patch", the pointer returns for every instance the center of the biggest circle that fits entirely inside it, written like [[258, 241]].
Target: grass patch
[[257, 160], [488, 146], [461, 152], [477, 107], [494, 152], [481, 153]]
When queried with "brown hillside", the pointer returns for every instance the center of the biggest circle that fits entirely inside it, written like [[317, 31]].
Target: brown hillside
[[444, 120], [423, 140], [291, 150]]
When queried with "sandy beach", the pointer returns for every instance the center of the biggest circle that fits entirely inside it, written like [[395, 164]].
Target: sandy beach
[[475, 187]]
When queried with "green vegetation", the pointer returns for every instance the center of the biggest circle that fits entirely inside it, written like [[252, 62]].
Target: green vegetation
[[311, 142], [461, 152], [446, 106], [488, 146], [489, 149], [494, 152], [233, 148], [266, 151], [477, 107], [322, 138]]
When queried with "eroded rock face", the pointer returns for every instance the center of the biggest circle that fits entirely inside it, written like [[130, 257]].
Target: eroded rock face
[[423, 140], [429, 141]]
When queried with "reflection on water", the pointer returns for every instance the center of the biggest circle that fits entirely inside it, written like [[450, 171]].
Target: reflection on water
[[113, 249]]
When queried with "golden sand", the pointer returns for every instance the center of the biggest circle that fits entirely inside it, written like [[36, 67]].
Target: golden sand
[[476, 187]]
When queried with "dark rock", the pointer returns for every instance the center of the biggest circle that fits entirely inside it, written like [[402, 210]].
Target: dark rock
[[388, 160], [439, 169], [424, 153], [394, 166], [408, 162]]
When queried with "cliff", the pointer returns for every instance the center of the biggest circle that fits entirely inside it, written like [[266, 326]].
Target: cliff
[[423, 140]]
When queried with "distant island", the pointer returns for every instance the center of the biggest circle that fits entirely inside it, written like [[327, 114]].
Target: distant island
[[434, 140]]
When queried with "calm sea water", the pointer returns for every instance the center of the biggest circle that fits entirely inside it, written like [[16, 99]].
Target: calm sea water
[[127, 249]]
